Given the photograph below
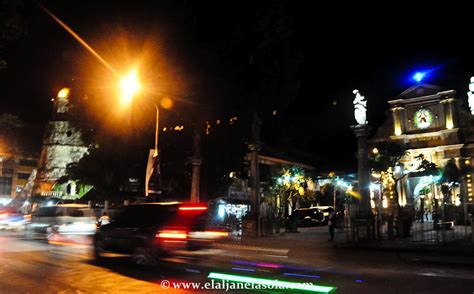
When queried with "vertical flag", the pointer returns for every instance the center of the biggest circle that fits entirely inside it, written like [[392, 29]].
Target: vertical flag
[[149, 169]]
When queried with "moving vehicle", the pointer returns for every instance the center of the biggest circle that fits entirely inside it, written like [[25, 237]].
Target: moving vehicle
[[65, 219], [147, 231], [11, 219], [308, 216]]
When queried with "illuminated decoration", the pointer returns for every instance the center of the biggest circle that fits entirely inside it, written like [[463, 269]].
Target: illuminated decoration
[[360, 108], [375, 150], [423, 118], [419, 76], [470, 95], [64, 93], [271, 284]]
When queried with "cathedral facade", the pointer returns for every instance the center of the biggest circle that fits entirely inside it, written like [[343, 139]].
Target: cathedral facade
[[435, 124]]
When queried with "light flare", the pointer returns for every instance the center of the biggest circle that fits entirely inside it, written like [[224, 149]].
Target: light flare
[[129, 86]]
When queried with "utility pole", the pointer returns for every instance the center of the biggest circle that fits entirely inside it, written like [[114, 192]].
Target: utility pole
[[196, 161], [254, 147]]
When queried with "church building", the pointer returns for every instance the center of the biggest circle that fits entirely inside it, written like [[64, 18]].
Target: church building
[[436, 124]]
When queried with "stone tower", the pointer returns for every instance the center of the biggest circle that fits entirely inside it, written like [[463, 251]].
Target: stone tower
[[62, 145]]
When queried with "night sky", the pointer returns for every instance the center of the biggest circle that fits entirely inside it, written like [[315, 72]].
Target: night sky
[[374, 49]]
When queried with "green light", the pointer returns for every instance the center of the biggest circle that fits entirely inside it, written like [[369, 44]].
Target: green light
[[272, 284]]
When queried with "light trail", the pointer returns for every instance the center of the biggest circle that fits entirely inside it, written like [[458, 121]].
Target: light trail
[[79, 39]]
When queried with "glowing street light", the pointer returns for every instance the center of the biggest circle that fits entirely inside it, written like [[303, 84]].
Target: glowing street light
[[129, 86]]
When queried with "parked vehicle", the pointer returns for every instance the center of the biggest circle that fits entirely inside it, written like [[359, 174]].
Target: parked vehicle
[[308, 216], [147, 231], [325, 211], [65, 219]]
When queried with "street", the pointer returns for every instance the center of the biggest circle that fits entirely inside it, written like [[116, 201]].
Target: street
[[34, 266]]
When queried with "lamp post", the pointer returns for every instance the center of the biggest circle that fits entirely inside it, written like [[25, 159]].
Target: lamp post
[[130, 86]]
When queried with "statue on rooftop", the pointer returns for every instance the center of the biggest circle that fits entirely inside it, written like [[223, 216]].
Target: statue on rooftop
[[470, 95], [360, 108]]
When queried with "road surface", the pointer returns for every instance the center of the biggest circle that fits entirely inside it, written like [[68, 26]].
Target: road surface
[[33, 266]]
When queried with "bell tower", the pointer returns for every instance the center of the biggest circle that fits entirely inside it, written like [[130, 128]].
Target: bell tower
[[62, 145]]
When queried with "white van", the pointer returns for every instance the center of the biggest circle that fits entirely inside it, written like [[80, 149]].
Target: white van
[[66, 219]]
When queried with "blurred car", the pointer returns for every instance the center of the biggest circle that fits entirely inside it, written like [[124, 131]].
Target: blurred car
[[147, 231], [11, 219], [64, 219], [308, 216]]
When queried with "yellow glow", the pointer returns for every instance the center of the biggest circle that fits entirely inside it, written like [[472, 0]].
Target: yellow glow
[[376, 175], [467, 162], [375, 151], [173, 235], [164, 129], [129, 86], [166, 103], [469, 185], [468, 176], [354, 194], [64, 93], [398, 130], [449, 121]]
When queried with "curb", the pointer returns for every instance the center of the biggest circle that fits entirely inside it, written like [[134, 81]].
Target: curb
[[252, 248]]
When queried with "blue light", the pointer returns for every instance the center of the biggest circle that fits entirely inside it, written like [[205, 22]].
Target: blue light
[[243, 269], [301, 275], [419, 76]]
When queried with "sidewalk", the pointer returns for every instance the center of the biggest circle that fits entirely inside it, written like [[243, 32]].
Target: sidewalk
[[309, 242]]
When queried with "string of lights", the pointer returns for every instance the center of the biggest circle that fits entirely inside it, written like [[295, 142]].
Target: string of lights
[[232, 120]]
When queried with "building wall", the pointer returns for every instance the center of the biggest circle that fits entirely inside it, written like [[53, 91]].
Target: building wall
[[15, 171]]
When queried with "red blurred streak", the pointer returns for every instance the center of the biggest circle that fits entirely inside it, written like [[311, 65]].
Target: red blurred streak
[[193, 208]]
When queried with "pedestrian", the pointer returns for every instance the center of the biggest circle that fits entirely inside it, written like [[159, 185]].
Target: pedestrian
[[331, 223], [104, 219]]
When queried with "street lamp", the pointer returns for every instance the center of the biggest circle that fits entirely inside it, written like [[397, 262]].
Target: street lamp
[[130, 86]]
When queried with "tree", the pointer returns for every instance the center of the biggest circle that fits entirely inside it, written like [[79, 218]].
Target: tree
[[12, 25], [291, 187], [385, 162], [449, 178]]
